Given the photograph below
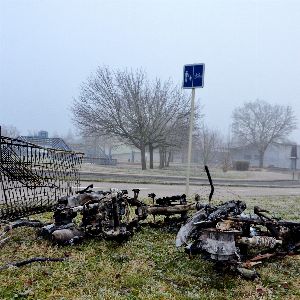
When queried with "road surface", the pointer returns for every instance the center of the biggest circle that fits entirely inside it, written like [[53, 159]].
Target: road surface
[[221, 192]]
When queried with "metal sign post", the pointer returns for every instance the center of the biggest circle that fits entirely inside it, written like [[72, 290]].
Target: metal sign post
[[193, 77]]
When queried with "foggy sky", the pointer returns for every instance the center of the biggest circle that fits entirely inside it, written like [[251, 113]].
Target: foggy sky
[[251, 50]]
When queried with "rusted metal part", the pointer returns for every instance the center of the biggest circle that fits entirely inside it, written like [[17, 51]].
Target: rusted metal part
[[250, 264], [260, 241], [260, 257], [170, 210]]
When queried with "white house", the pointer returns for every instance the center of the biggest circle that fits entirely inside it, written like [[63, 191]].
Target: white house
[[278, 155]]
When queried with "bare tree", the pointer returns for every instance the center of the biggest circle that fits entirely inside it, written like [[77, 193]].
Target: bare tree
[[113, 104], [176, 137], [208, 142], [168, 119], [225, 153], [259, 124], [127, 106]]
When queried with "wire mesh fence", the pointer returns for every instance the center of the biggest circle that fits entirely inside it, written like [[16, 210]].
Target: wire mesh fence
[[33, 178]]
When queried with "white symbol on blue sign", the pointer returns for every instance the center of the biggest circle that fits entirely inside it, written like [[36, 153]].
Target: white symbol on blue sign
[[193, 76], [197, 75], [187, 77]]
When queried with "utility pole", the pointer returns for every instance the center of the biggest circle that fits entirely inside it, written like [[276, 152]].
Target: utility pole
[[187, 186], [193, 77]]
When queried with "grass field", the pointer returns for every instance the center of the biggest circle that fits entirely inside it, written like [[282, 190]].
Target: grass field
[[148, 266], [180, 170], [173, 170]]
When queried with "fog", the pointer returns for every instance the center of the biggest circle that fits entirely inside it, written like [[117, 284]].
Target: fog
[[48, 48]]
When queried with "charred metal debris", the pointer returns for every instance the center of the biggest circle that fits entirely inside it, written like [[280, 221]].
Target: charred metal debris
[[237, 241], [222, 233], [234, 240], [107, 214]]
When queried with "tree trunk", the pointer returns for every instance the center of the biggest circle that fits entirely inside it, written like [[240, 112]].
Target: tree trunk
[[143, 157], [151, 155], [169, 158], [109, 152], [182, 157], [261, 158], [132, 156], [172, 157], [161, 158]]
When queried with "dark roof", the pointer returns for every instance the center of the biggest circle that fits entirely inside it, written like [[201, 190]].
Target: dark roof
[[53, 143]]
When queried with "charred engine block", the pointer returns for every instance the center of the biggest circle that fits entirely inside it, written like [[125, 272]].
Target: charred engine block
[[103, 214], [219, 244]]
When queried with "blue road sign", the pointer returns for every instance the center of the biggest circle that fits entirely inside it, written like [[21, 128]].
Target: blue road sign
[[193, 76]]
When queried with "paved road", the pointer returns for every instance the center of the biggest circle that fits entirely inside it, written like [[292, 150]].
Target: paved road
[[221, 192]]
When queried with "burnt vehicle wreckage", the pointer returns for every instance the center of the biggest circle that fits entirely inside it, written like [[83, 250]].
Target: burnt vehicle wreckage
[[236, 241], [107, 214], [222, 233]]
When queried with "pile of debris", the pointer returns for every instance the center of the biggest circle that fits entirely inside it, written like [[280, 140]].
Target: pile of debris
[[235, 240], [222, 233], [107, 214]]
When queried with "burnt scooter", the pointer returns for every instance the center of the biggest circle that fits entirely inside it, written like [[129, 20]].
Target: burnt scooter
[[237, 241]]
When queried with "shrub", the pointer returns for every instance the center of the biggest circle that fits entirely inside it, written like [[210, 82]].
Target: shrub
[[241, 165]]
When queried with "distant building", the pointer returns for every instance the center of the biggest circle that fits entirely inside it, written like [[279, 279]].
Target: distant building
[[43, 134], [42, 139], [93, 152], [277, 155]]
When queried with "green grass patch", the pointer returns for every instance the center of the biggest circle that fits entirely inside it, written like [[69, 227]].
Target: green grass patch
[[178, 170], [148, 266]]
